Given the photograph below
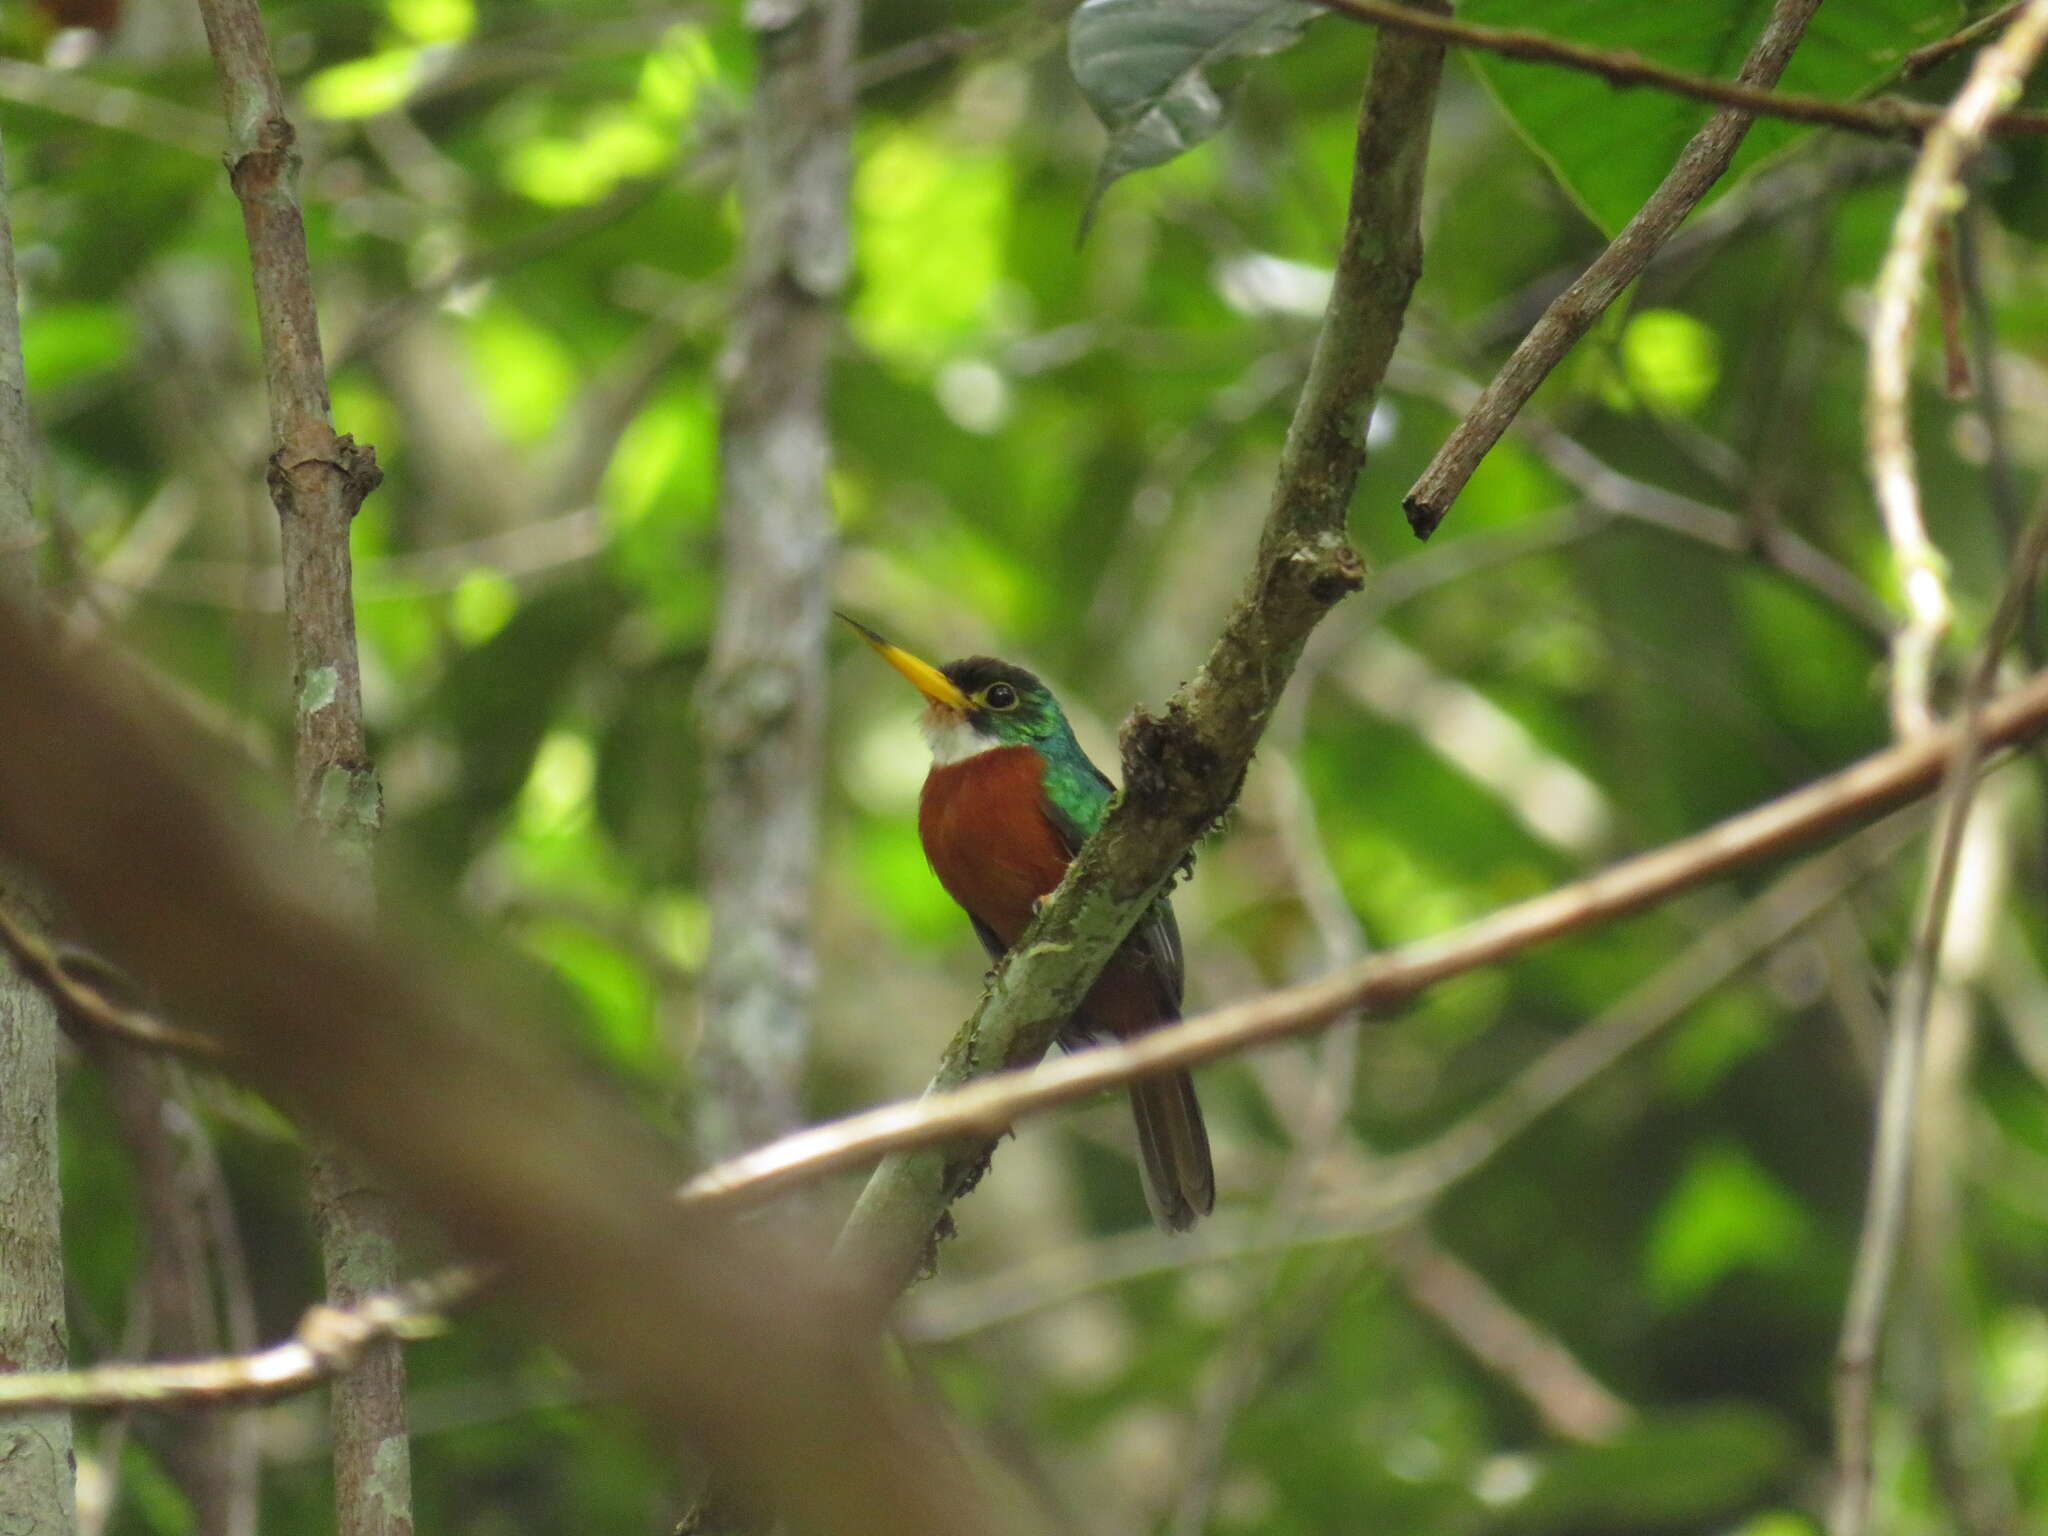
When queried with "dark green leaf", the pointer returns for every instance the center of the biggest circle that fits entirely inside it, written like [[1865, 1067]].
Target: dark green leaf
[[1611, 147], [1144, 67]]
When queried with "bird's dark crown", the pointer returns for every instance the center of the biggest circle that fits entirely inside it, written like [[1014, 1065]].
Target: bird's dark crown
[[971, 674]]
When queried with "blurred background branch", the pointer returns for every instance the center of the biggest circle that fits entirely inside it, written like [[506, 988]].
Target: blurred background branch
[[763, 693], [318, 480]]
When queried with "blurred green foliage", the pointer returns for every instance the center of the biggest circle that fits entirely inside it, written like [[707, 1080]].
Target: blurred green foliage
[[523, 228]]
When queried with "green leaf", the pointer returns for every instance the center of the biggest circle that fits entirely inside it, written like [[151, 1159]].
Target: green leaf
[[1727, 1213], [1144, 67], [1679, 1469], [1609, 148]]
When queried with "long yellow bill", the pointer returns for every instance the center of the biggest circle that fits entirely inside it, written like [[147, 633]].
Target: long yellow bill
[[924, 677]]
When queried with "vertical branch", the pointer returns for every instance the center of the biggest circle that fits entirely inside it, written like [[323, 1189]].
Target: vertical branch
[[35, 1450], [1957, 1419], [207, 1449], [1703, 162], [318, 480], [1898, 1108], [763, 704], [1994, 84]]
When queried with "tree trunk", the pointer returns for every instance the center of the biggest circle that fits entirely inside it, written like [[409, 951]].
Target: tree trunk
[[763, 702], [36, 1467]]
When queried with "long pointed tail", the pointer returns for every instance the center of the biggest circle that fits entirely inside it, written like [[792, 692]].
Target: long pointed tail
[[1180, 1181]]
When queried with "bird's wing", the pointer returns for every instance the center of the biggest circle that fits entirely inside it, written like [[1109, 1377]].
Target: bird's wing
[[1157, 935]]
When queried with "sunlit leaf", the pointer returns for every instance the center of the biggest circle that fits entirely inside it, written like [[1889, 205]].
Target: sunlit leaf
[[1727, 1213]]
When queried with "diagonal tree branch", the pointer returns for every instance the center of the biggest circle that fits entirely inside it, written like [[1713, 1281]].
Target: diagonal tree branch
[[328, 1342], [975, 1114], [718, 1332], [1182, 769], [1403, 1185], [1889, 118], [318, 480], [1702, 163]]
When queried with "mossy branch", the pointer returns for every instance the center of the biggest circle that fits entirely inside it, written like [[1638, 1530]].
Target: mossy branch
[[1183, 766]]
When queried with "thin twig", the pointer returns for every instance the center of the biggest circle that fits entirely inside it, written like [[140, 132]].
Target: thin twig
[[329, 1342], [1889, 118], [58, 972], [1623, 495], [1922, 60], [106, 105], [1929, 200], [1884, 1218], [987, 1109], [1701, 164], [1573, 1403]]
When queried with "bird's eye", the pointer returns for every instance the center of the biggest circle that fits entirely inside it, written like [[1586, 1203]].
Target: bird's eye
[[1000, 696]]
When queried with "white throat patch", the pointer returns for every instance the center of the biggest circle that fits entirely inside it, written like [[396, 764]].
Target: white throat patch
[[951, 738]]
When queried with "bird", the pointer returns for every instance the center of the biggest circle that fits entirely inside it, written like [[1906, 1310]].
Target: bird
[[1009, 801]]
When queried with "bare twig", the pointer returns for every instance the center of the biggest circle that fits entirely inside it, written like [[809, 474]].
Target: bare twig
[[1930, 194], [1623, 495], [1702, 163], [1921, 60], [318, 480], [60, 975], [36, 1491], [1417, 1176], [1887, 118], [1572, 1402], [106, 105], [1183, 769], [329, 1342], [763, 698], [985, 1110], [1884, 1218]]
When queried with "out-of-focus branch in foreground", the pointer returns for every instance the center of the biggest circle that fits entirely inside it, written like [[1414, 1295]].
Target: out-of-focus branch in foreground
[[719, 1334]]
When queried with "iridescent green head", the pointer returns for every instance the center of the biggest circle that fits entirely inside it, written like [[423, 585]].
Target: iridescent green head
[[978, 703]]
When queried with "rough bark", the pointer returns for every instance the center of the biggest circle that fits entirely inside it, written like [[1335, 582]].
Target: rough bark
[[318, 480], [36, 1474], [1182, 768], [763, 702]]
